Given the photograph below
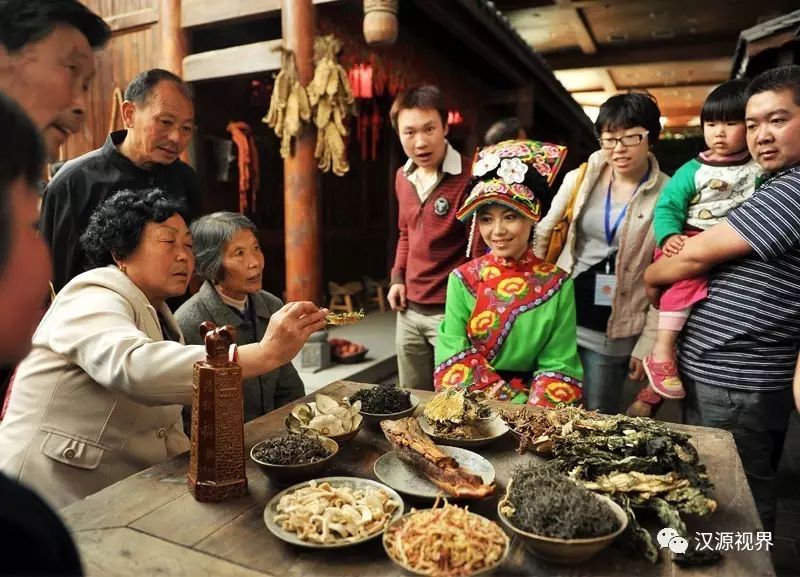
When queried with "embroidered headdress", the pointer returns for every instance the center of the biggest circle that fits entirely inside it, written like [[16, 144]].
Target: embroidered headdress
[[514, 173]]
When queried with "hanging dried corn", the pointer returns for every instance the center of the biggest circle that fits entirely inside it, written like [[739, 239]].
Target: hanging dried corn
[[289, 106], [331, 97]]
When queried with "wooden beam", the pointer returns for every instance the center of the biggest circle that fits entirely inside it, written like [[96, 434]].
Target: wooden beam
[[606, 80], [643, 54], [235, 61], [205, 12], [120, 23], [579, 26]]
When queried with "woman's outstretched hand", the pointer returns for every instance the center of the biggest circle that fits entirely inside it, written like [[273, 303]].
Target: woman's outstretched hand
[[289, 329]]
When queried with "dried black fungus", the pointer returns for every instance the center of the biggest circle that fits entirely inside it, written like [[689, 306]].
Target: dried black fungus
[[291, 450], [550, 504], [382, 400]]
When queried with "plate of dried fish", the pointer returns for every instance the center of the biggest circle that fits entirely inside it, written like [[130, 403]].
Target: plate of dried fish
[[337, 420], [339, 319], [461, 418], [332, 512]]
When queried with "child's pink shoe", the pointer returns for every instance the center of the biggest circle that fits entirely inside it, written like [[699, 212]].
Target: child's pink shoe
[[664, 378]]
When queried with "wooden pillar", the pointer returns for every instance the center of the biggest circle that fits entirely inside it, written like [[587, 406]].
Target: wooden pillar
[[173, 40], [301, 198], [174, 46]]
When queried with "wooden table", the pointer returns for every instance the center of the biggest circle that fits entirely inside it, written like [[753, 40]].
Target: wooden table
[[149, 524]]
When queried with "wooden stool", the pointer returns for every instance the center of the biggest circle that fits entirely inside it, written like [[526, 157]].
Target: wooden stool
[[376, 291], [342, 295]]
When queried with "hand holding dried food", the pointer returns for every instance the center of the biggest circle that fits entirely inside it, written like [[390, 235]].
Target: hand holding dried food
[[325, 416]]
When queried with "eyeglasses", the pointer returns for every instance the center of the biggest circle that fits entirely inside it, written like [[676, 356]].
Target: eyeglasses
[[628, 140]]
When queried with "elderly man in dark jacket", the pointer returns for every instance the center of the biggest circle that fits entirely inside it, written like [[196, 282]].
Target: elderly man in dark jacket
[[159, 118], [229, 257]]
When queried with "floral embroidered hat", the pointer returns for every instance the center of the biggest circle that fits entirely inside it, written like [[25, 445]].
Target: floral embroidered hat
[[514, 173]]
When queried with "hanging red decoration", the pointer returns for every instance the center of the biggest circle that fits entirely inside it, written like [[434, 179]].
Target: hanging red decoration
[[365, 90], [454, 117]]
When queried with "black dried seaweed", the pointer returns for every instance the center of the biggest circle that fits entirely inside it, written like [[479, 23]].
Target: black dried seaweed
[[550, 504], [291, 449], [382, 400]]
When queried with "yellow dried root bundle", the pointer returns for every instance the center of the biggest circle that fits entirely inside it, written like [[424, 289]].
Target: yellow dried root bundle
[[331, 95], [289, 106]]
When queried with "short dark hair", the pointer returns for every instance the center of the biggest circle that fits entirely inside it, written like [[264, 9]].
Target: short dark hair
[[21, 156], [141, 87], [427, 97], [781, 78], [725, 103], [210, 235], [26, 21], [115, 229], [634, 108], [503, 129]]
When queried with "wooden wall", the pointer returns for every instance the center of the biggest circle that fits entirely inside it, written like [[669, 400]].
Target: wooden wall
[[134, 47]]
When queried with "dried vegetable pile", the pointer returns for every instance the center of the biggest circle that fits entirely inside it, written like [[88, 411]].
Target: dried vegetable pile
[[542, 501], [446, 541], [291, 450], [325, 416], [327, 514], [457, 413], [638, 462], [331, 95], [382, 400], [289, 105]]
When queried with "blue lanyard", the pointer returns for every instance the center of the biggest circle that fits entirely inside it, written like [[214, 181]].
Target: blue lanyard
[[612, 232]]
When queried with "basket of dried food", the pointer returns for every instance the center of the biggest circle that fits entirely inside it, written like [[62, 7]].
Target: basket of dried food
[[556, 518], [384, 402], [461, 418], [292, 457], [338, 420], [446, 541]]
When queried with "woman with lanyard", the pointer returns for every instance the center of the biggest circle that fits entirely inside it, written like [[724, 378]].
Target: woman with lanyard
[[609, 244]]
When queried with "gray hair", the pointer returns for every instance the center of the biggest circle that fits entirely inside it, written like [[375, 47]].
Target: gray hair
[[210, 235]]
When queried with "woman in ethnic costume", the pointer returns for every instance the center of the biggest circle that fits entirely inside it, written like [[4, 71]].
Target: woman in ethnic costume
[[509, 326]]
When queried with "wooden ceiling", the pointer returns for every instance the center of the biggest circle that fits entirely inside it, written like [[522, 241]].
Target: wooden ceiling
[[677, 49]]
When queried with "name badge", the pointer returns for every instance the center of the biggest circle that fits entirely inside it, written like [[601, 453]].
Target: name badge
[[605, 286]]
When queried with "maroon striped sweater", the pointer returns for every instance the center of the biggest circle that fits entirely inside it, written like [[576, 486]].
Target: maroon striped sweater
[[432, 240]]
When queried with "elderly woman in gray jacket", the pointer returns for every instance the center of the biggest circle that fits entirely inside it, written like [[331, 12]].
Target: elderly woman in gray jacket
[[229, 258], [99, 397]]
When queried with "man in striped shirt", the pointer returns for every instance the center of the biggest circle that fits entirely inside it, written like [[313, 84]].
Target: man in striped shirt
[[738, 351]]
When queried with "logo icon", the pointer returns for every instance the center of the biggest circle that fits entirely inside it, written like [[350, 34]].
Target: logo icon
[[669, 538], [441, 206]]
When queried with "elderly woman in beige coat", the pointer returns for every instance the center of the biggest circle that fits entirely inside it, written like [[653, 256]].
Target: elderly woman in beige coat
[[609, 244], [99, 397]]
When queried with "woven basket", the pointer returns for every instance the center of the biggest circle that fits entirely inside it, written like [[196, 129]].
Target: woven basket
[[380, 22]]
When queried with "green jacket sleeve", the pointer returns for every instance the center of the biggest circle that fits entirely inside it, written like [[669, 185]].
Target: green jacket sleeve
[[559, 371], [452, 337], [670, 213]]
